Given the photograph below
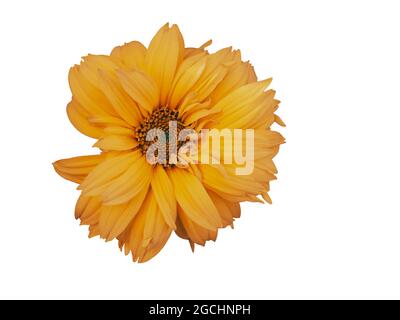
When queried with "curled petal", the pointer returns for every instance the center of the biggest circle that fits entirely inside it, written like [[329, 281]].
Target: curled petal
[[76, 169]]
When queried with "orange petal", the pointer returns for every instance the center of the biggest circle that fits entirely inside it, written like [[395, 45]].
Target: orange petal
[[187, 75], [130, 183], [242, 103], [194, 200], [89, 96], [121, 102], [189, 52], [149, 232], [131, 54], [228, 210], [237, 76], [107, 171], [163, 57], [76, 169], [118, 131], [114, 219], [214, 72], [116, 142], [104, 121], [87, 209], [79, 119], [164, 194], [141, 88], [195, 232]]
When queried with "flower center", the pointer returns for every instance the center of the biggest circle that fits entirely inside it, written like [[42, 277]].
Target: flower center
[[159, 119]]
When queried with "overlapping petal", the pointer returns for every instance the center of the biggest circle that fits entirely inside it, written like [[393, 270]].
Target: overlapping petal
[[141, 88], [131, 55], [194, 200], [79, 119], [148, 232], [76, 169]]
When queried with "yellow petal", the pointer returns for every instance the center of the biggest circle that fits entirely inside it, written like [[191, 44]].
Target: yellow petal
[[76, 169], [91, 220], [279, 121], [187, 75], [214, 72], [108, 217], [190, 103], [118, 131], [89, 96], [114, 219], [122, 102], [180, 230], [199, 114], [140, 87], [230, 186], [266, 197], [228, 210], [189, 52], [266, 164], [151, 210], [148, 232], [267, 138], [92, 64], [240, 103], [163, 57], [237, 76], [206, 44], [130, 183], [116, 142], [105, 121], [131, 54], [87, 209], [252, 75], [195, 232], [79, 119], [107, 171], [256, 115], [164, 194], [123, 239], [94, 230], [80, 206], [204, 87], [194, 200]]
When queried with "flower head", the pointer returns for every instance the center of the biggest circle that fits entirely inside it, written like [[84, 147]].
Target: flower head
[[144, 106]]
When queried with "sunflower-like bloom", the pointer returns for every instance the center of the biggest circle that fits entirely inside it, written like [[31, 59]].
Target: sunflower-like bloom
[[118, 98]]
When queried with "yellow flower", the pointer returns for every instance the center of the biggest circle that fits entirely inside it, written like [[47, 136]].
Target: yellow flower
[[118, 98]]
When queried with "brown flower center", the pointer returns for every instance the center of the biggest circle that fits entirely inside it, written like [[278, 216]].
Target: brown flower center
[[159, 119]]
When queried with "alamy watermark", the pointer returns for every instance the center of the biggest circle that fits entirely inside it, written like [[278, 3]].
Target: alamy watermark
[[208, 146]]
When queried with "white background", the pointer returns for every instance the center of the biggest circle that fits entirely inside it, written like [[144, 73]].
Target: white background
[[333, 230]]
